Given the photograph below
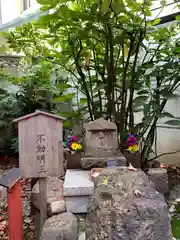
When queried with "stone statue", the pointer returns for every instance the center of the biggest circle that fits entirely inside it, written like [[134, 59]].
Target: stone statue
[[101, 145]]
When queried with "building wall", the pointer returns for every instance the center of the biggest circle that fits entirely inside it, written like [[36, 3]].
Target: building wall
[[168, 137], [12, 9]]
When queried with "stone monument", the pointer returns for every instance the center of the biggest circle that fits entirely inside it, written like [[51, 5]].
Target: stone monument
[[101, 145]]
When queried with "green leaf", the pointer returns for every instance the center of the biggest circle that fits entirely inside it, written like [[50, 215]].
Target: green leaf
[[117, 6], [48, 2], [45, 8], [147, 108], [178, 18], [148, 12], [101, 86], [175, 224], [63, 86], [83, 100], [148, 65], [173, 122], [2, 123], [119, 39], [67, 124], [142, 92], [156, 21], [105, 5], [166, 114], [63, 98], [140, 100], [168, 95]]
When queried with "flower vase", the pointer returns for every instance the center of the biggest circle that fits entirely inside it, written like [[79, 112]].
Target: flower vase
[[73, 160], [133, 158]]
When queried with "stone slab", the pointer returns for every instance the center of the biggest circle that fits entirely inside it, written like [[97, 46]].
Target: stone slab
[[78, 183], [77, 204]]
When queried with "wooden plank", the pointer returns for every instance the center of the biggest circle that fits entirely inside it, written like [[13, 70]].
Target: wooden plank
[[10, 178], [37, 225], [43, 206], [37, 112]]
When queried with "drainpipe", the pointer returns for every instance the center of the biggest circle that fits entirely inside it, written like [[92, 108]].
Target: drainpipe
[[0, 14]]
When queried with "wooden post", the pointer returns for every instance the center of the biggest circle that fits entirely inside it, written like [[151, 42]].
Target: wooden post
[[15, 224], [11, 181], [43, 206], [40, 142]]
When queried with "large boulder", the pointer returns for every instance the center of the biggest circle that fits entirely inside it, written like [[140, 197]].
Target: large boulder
[[125, 205], [60, 227]]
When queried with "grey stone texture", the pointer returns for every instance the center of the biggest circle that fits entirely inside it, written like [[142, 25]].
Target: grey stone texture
[[127, 208], [60, 227]]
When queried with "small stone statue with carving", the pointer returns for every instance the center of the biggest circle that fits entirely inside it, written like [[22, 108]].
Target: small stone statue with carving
[[101, 145]]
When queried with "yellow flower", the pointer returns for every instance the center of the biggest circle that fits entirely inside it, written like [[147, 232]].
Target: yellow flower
[[79, 146], [105, 182], [133, 148], [76, 146]]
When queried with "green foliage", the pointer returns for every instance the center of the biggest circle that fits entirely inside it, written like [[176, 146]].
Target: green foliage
[[175, 223], [104, 47], [34, 91]]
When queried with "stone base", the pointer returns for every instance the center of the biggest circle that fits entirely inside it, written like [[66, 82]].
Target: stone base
[[77, 204], [78, 183], [92, 162]]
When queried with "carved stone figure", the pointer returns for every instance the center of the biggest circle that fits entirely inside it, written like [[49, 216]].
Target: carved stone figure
[[101, 144]]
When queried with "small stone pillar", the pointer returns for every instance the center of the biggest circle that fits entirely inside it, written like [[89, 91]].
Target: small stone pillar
[[160, 178]]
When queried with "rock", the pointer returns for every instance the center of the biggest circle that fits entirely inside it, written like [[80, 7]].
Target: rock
[[178, 200], [82, 236], [54, 191], [174, 195], [57, 207], [125, 205], [92, 162], [101, 162], [160, 178], [62, 227], [172, 209], [173, 175]]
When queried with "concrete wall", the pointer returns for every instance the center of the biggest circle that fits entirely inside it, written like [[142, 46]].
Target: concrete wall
[[168, 138]]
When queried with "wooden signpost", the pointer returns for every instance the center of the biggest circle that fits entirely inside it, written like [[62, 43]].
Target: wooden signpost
[[40, 151]]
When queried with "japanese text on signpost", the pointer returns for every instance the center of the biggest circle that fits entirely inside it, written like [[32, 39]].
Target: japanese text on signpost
[[41, 151]]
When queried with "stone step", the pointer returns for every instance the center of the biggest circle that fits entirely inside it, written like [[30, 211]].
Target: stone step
[[78, 183]]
